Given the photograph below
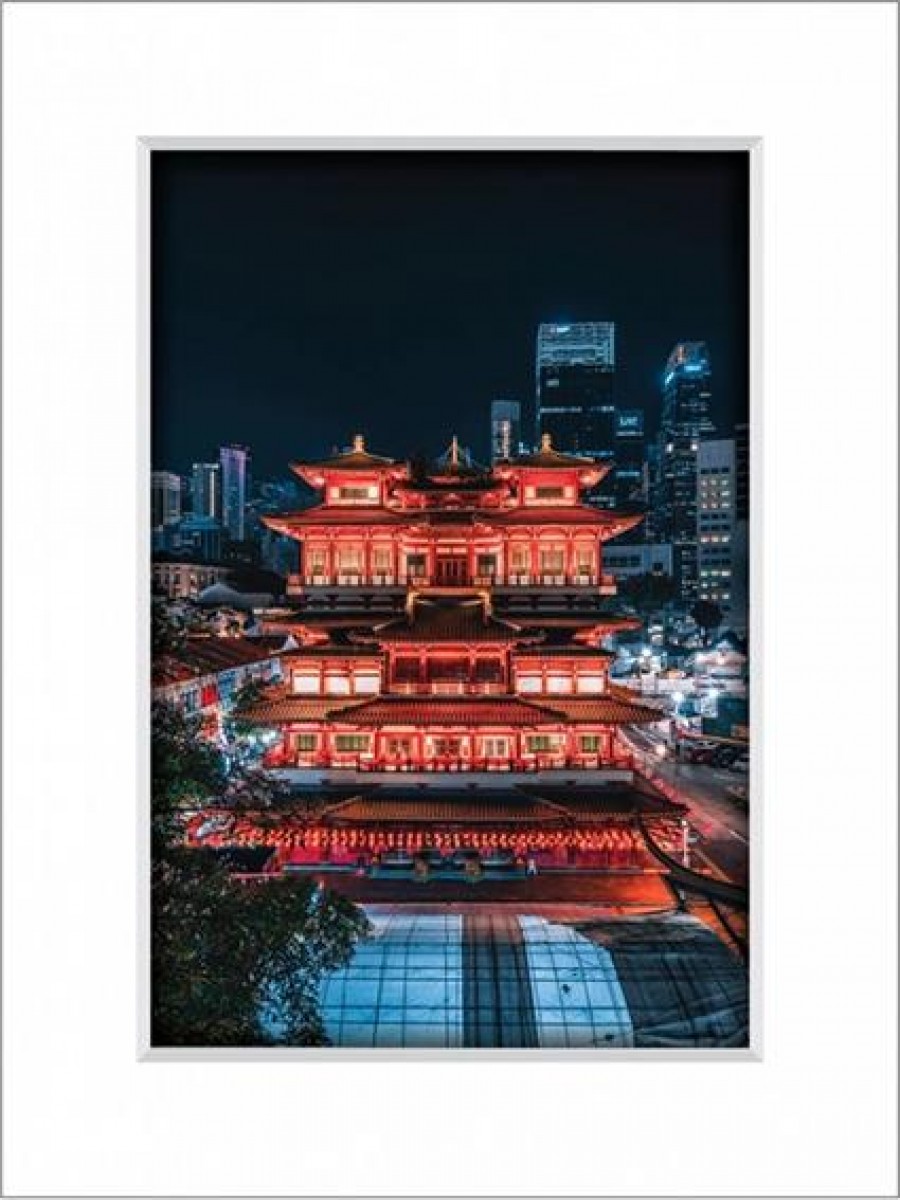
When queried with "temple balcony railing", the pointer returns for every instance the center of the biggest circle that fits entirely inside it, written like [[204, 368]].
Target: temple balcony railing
[[448, 688], [298, 582], [277, 758]]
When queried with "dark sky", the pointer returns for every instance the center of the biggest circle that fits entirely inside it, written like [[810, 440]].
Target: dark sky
[[299, 298]]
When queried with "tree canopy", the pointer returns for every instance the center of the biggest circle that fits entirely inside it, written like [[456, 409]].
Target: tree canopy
[[233, 963]]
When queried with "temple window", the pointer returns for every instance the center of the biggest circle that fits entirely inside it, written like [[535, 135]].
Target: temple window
[[446, 748], [351, 742], [538, 743], [530, 684], [406, 671], [549, 493], [399, 748], [316, 561], [584, 560], [591, 744], [495, 748], [349, 560], [486, 566], [381, 560], [307, 683], [355, 493], [415, 566], [337, 685], [559, 683], [307, 742], [366, 683], [519, 558], [553, 561], [590, 683]]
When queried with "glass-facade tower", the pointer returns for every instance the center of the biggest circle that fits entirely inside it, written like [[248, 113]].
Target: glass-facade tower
[[574, 387], [686, 420]]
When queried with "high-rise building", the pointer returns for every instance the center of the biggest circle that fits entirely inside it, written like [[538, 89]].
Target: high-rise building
[[165, 499], [740, 540], [506, 429], [742, 471], [716, 505], [574, 394], [206, 490], [686, 420], [235, 464], [630, 457]]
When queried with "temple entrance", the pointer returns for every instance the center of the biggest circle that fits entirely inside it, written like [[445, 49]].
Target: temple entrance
[[451, 571]]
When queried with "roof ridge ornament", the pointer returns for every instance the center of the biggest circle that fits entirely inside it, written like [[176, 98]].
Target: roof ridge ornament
[[454, 451], [359, 444], [546, 442]]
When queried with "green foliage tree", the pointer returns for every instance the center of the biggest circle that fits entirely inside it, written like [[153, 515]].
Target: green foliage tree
[[708, 616], [233, 964]]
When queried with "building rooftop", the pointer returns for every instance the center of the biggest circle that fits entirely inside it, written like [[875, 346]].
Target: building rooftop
[[480, 978], [448, 621]]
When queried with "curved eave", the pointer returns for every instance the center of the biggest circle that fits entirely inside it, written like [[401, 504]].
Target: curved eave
[[615, 524]]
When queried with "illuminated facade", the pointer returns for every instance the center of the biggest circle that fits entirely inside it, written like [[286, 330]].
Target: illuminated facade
[[449, 618]]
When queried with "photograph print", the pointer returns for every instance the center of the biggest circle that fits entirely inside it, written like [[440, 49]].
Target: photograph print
[[450, 523]]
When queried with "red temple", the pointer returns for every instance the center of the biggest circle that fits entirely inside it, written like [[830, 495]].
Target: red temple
[[450, 617]]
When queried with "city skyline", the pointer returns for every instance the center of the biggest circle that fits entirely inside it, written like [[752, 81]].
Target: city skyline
[[317, 286]]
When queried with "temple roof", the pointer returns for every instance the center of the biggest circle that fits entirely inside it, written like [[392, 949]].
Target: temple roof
[[279, 706], [450, 711], [547, 456], [463, 621], [355, 459], [601, 710], [499, 807], [202, 655]]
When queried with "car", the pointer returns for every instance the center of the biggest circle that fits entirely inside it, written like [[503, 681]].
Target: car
[[741, 764]]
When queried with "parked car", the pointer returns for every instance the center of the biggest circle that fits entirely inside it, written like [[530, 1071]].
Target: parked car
[[741, 764]]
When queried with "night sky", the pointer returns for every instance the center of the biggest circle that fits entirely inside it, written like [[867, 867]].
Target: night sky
[[299, 298]]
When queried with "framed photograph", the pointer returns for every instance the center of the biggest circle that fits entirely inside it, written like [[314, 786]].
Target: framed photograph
[[450, 522], [451, 706]]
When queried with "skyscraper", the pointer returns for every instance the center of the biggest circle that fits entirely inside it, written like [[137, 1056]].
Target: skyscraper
[[206, 490], [234, 462], [506, 429], [574, 376], [716, 508], [165, 499], [685, 421], [630, 457]]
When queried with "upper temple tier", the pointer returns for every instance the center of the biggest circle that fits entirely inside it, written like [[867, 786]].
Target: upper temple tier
[[521, 530]]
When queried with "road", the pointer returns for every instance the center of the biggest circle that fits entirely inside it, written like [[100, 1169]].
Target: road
[[720, 822]]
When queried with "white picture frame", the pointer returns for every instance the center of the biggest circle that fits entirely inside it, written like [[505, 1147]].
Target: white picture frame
[[84, 1116]]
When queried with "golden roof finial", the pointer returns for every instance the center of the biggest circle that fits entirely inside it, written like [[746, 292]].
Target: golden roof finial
[[359, 444], [454, 451], [546, 442]]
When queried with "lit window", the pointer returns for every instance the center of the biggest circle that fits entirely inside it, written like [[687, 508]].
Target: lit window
[[530, 684], [306, 683], [351, 742], [365, 683], [559, 683], [337, 685]]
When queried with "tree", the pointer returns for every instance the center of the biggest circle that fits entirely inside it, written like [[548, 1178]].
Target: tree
[[233, 964], [708, 617]]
